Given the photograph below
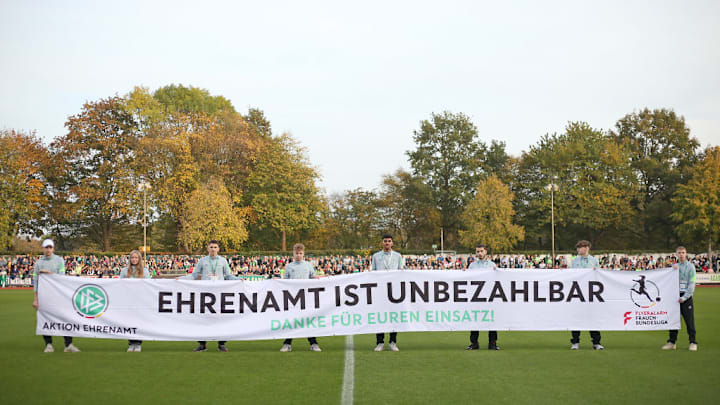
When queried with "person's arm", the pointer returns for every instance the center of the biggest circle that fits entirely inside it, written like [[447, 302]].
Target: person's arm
[[690, 290], [402, 262], [312, 271], [373, 264], [124, 272]]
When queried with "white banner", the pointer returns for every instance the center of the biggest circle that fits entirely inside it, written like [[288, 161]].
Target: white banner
[[383, 301]]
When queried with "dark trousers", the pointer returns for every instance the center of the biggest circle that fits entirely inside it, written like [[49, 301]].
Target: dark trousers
[[380, 337], [312, 341], [594, 335], [492, 337], [688, 313], [220, 343], [135, 342], [48, 340]]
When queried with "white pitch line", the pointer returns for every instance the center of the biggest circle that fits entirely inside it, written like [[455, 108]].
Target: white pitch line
[[349, 374]]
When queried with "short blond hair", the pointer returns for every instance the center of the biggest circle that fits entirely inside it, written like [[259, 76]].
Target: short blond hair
[[298, 247]]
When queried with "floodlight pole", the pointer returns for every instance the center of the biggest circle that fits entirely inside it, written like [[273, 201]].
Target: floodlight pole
[[144, 186], [552, 187]]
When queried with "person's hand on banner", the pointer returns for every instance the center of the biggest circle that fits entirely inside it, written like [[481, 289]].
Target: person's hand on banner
[[45, 272], [35, 304]]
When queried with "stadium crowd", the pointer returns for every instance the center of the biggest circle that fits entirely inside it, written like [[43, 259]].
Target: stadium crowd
[[20, 266]]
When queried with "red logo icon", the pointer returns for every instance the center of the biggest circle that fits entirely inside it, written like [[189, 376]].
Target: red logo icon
[[627, 317]]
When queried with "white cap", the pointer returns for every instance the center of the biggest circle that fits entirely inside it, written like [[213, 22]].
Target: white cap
[[48, 243]]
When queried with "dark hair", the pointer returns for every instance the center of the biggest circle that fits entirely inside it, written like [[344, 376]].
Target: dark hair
[[387, 236], [213, 241], [583, 243], [480, 245]]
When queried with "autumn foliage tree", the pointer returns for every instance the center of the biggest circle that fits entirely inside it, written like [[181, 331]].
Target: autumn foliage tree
[[489, 217], [98, 154], [23, 159], [696, 204], [208, 214]]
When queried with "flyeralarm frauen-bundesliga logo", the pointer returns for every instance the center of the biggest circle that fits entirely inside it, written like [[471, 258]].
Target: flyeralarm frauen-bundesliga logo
[[644, 293], [90, 301]]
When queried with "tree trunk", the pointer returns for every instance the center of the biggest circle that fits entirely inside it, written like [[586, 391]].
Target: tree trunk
[[106, 237], [178, 229]]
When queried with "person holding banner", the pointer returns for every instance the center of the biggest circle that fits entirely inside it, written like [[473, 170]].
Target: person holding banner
[[482, 262], [686, 272], [585, 261], [299, 269], [50, 263], [135, 269], [216, 268], [386, 259]]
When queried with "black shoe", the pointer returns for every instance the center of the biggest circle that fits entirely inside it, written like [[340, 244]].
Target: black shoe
[[222, 348], [200, 348], [493, 346], [473, 346]]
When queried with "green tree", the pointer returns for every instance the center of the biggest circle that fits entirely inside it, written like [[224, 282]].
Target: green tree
[[209, 214], [408, 210], [258, 122], [497, 162], [662, 153], [449, 156], [282, 188], [181, 99], [596, 185], [696, 204], [489, 216], [355, 219], [23, 159]]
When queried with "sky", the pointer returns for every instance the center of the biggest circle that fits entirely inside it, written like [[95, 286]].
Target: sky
[[352, 80]]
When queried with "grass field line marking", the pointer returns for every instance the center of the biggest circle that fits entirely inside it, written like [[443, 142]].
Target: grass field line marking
[[349, 374]]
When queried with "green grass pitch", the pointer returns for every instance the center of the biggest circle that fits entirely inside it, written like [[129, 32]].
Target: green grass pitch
[[532, 367]]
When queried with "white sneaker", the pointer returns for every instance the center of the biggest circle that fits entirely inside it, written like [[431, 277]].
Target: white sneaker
[[71, 349], [393, 347], [575, 346], [598, 347], [286, 348], [49, 348], [693, 347], [380, 347], [669, 346], [315, 348], [131, 348], [138, 348]]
